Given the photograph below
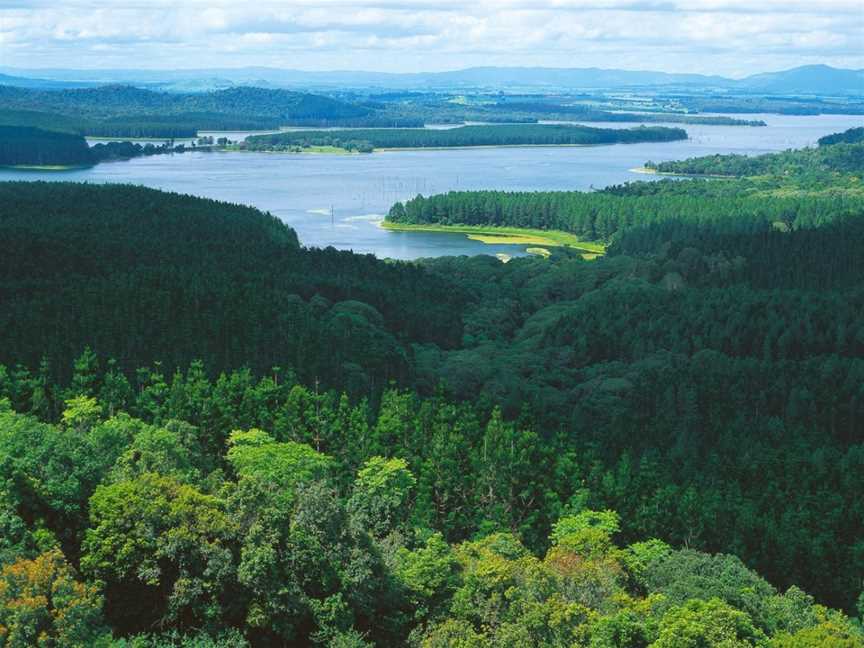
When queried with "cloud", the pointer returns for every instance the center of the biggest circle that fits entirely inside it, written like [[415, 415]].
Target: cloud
[[713, 36]]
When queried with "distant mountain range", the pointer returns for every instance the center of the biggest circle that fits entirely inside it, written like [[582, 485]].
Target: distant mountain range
[[811, 79], [41, 84]]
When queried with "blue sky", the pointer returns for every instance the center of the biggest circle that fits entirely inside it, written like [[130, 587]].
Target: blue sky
[[730, 37]]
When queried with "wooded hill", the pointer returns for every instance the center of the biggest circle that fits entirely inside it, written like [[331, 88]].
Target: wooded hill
[[125, 111]]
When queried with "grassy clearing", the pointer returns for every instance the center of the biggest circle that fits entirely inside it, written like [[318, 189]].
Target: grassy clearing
[[505, 235]]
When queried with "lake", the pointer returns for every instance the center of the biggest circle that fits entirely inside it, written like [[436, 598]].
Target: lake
[[338, 200]]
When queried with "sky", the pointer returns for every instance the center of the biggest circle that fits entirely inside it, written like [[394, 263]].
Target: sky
[[729, 37]]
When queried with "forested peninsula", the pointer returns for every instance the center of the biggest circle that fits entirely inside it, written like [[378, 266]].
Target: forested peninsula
[[365, 140], [841, 153], [777, 192]]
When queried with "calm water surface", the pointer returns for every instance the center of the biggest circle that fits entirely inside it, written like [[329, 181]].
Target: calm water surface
[[301, 189]]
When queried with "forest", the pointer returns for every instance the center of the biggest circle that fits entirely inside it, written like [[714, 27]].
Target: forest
[[22, 146], [26, 146], [213, 437], [503, 135], [776, 191], [842, 153], [749, 103], [458, 108]]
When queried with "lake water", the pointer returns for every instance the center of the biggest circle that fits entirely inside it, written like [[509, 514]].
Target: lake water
[[301, 189]]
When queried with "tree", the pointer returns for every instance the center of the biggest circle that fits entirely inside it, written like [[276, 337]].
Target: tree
[[455, 633], [380, 498], [708, 624], [165, 552], [429, 574], [85, 375], [159, 450], [43, 604], [254, 454], [588, 532], [81, 413], [116, 392], [686, 574]]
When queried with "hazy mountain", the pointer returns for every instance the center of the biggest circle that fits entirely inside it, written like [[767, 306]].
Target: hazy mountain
[[42, 84], [811, 79]]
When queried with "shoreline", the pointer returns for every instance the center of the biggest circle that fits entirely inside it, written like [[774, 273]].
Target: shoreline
[[46, 167], [457, 148], [647, 171], [493, 235]]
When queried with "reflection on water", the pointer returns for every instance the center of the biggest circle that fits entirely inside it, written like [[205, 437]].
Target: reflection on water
[[302, 189]]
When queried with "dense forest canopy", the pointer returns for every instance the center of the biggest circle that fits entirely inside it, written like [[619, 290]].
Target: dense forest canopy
[[78, 251], [211, 436], [25, 146], [503, 135]]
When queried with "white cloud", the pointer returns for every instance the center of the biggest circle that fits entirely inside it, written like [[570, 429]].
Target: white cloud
[[718, 36]]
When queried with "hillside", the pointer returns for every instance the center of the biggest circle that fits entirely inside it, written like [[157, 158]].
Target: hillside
[[129, 111], [115, 100], [135, 259], [808, 79]]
